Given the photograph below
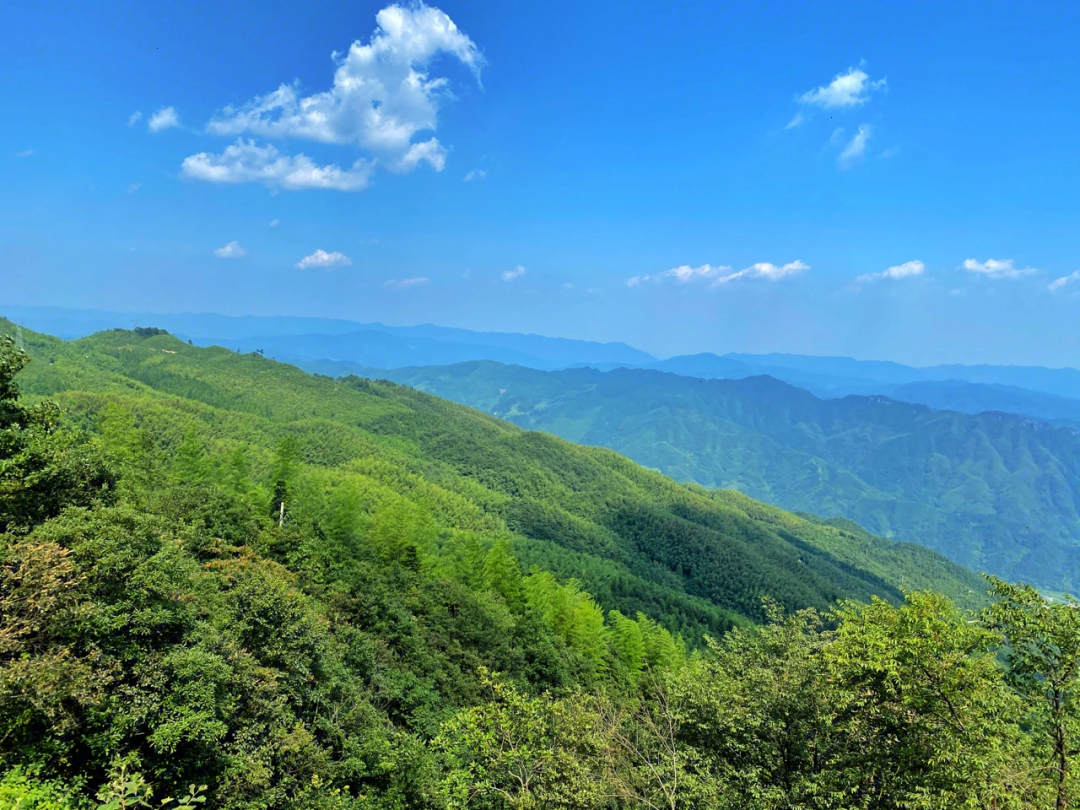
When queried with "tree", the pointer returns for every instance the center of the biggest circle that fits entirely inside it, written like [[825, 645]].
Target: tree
[[758, 712], [43, 468], [502, 573], [520, 752], [651, 765], [283, 474], [1043, 638], [925, 714]]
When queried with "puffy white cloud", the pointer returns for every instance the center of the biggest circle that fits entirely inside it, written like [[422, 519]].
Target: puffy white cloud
[[1058, 283], [134, 118], [230, 251], [246, 162], [721, 274], [849, 89], [475, 174], [320, 258], [163, 119], [897, 271], [382, 93], [517, 272], [997, 268], [855, 148], [405, 283]]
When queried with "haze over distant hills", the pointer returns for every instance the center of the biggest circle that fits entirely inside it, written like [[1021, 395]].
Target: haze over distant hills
[[338, 347], [297, 339], [994, 491]]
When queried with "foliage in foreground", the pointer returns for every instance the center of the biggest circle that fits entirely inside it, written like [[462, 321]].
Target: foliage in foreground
[[169, 621]]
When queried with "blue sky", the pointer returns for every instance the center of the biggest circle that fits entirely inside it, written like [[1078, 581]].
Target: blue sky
[[889, 180]]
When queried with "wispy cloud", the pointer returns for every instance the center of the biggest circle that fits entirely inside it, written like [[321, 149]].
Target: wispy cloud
[[163, 119], [517, 272], [475, 174], [230, 251], [897, 271], [382, 96], [405, 283], [274, 223], [794, 122], [134, 118], [997, 268], [683, 274], [246, 162], [322, 259], [772, 272], [25, 153], [721, 274], [1064, 281], [850, 89], [855, 149], [133, 188]]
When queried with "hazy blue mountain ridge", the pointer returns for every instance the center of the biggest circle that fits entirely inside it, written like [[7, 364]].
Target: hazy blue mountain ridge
[[993, 491], [337, 347]]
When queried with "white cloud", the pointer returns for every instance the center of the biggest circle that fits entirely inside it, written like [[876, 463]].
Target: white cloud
[[382, 93], [245, 162], [517, 272], [1058, 283], [765, 270], [133, 188], [274, 223], [231, 251], [25, 153], [897, 271], [134, 118], [320, 258], [405, 283], [794, 122], [846, 90], [855, 149], [475, 174], [683, 274], [997, 268], [720, 274], [163, 119]]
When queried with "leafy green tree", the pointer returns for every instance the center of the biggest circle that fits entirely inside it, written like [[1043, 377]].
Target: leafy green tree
[[924, 709], [519, 752], [502, 573], [43, 468], [189, 461], [1043, 652], [758, 711], [629, 642], [283, 473]]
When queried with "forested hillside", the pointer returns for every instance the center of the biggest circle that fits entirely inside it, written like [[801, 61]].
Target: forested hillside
[[994, 491], [226, 583], [636, 540]]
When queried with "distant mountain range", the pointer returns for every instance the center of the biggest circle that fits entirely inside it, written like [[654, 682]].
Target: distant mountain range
[[298, 340], [995, 492], [336, 347]]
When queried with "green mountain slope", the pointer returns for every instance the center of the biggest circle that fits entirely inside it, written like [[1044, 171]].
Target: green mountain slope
[[992, 491], [636, 540], [223, 583]]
